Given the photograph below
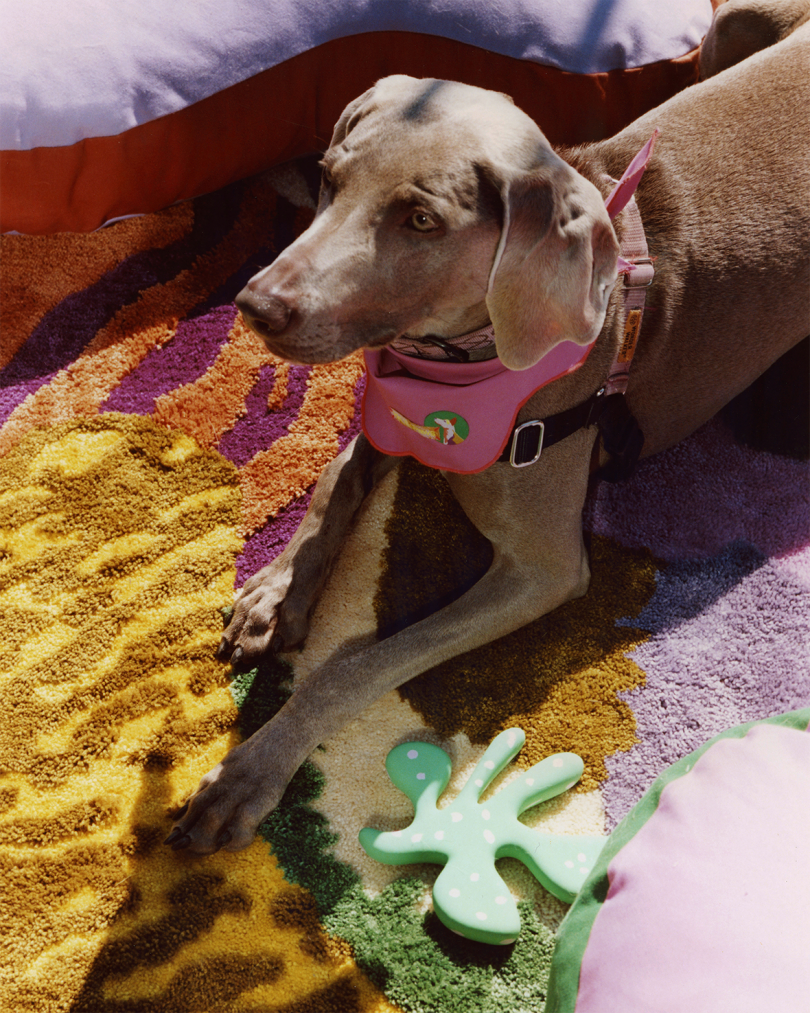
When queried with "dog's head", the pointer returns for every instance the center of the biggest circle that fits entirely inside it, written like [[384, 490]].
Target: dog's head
[[442, 206]]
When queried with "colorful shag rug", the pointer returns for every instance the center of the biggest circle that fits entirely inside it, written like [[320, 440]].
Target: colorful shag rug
[[152, 455]]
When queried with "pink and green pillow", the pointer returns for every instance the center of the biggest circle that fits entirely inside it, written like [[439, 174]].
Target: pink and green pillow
[[700, 897]]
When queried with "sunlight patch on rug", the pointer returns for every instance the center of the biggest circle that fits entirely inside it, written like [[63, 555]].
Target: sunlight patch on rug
[[117, 548]]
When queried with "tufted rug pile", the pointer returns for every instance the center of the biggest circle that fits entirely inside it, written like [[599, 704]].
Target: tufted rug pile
[[152, 456]]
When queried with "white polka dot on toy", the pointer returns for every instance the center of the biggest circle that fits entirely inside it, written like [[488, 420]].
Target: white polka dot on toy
[[480, 916], [485, 814], [558, 761], [416, 838], [581, 857], [479, 783], [420, 777], [569, 865], [489, 837], [439, 835], [412, 754], [530, 781], [455, 817], [455, 893], [474, 877], [500, 900], [489, 765]]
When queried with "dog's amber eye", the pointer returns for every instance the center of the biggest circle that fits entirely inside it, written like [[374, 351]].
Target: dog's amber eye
[[422, 222]]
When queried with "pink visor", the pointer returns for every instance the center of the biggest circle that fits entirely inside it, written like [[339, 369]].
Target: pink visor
[[456, 416]]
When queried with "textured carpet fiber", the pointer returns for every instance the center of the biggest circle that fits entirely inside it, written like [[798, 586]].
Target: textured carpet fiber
[[152, 456]]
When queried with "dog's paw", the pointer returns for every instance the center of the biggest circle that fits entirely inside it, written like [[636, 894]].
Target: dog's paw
[[266, 617], [227, 807]]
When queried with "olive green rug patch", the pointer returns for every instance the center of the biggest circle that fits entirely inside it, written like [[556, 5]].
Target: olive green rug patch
[[557, 678]]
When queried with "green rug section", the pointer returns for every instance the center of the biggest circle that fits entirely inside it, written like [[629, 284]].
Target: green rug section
[[424, 968], [411, 956]]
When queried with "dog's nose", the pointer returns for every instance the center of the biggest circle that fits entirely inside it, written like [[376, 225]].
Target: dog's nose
[[266, 314]]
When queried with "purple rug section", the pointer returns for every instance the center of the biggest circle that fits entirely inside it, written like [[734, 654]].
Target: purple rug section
[[703, 494], [743, 657], [729, 618], [182, 360], [262, 547], [13, 393], [259, 427]]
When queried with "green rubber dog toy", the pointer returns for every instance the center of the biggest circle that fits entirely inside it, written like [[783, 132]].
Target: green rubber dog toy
[[467, 837]]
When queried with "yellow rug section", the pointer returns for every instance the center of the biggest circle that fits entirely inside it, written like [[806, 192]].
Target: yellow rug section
[[117, 548]]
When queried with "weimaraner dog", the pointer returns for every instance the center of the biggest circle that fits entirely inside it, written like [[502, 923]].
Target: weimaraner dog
[[444, 209]]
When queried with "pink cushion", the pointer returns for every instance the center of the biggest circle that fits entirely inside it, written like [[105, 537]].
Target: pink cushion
[[708, 908]]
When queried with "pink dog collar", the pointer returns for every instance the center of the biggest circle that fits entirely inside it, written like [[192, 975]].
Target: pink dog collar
[[458, 416], [635, 264]]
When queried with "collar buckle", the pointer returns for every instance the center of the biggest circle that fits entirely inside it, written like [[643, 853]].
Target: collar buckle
[[641, 273], [522, 453]]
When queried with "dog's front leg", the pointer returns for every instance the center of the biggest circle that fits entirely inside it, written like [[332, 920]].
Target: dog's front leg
[[533, 519], [275, 604]]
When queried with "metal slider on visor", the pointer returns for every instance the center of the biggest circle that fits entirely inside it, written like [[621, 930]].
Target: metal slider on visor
[[524, 450]]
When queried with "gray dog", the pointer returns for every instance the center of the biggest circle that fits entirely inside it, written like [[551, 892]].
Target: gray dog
[[445, 213]]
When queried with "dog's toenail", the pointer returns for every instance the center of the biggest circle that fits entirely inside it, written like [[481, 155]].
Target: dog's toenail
[[224, 838], [237, 656], [175, 835], [181, 811], [223, 649], [182, 843]]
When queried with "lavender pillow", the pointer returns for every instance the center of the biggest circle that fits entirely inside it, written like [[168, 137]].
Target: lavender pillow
[[108, 109]]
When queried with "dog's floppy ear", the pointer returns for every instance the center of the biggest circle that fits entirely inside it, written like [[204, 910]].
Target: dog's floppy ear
[[555, 265]]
